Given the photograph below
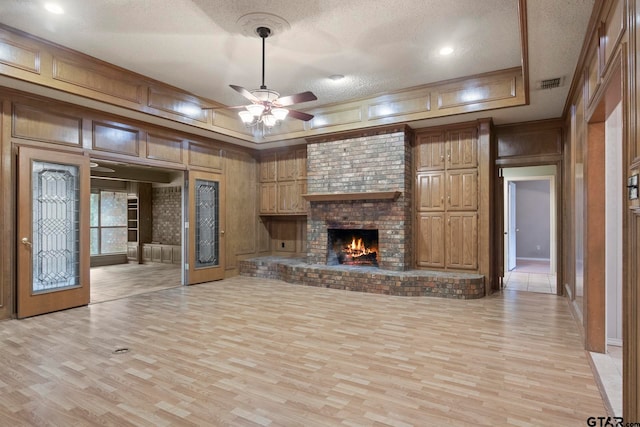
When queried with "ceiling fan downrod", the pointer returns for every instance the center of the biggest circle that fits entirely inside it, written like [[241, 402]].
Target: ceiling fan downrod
[[263, 32]]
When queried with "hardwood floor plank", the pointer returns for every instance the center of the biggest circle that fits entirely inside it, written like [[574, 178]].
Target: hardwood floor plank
[[257, 352]]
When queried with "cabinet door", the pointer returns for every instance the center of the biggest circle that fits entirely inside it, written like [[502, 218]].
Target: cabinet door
[[462, 149], [431, 151], [431, 190], [462, 189], [462, 240], [132, 251], [146, 253], [430, 245], [268, 167], [287, 166], [301, 162], [268, 198], [301, 205], [286, 196]]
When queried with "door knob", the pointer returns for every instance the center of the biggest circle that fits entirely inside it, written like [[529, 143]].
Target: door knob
[[25, 241], [222, 232]]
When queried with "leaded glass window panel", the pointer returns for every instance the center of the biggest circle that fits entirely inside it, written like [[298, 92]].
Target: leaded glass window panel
[[207, 224], [55, 224]]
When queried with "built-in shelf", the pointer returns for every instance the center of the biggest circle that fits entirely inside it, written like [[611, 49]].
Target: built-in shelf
[[369, 195]]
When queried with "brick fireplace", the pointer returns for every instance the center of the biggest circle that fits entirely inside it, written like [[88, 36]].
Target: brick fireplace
[[364, 183]]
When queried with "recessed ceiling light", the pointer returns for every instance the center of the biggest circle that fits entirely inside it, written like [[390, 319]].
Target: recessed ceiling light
[[336, 77], [447, 50], [54, 8]]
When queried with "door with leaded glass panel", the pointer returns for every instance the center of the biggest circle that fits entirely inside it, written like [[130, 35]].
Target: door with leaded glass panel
[[53, 231], [205, 227]]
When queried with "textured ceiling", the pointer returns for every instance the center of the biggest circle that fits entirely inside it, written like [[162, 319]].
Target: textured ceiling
[[379, 45]]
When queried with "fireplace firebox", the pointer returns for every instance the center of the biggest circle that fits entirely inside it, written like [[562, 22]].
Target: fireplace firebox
[[352, 247]]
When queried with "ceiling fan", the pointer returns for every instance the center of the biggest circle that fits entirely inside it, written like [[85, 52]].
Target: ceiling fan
[[96, 167], [267, 106]]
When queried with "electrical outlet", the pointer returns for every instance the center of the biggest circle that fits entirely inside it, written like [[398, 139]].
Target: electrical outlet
[[537, 247]]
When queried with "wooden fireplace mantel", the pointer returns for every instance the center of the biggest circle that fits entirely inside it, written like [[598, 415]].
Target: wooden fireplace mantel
[[336, 197]]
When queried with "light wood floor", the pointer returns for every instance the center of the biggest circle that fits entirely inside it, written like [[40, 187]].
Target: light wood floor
[[125, 280], [257, 352]]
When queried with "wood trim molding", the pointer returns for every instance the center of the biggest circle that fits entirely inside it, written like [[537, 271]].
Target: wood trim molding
[[337, 197], [524, 46], [51, 66]]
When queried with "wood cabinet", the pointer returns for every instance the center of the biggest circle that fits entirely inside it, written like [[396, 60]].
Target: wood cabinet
[[268, 167], [462, 240], [430, 191], [268, 200], [430, 245], [282, 182], [431, 151], [446, 198], [156, 252], [462, 189], [462, 148]]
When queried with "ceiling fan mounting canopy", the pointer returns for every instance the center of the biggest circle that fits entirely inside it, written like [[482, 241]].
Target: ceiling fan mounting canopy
[[263, 32]]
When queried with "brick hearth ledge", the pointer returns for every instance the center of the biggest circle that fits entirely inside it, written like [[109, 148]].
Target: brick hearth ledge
[[366, 279]]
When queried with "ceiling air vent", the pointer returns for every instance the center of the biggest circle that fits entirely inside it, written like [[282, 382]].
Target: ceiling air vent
[[550, 83]]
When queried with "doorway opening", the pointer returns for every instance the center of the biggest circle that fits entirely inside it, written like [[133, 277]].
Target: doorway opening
[[136, 229], [530, 262]]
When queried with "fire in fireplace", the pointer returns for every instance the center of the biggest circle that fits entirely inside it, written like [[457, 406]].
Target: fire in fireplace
[[352, 247]]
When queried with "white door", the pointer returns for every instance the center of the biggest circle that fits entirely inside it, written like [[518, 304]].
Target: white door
[[511, 229]]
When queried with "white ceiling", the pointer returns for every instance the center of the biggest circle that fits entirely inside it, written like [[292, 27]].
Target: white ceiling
[[378, 45]]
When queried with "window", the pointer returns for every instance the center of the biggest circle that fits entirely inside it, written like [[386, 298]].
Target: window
[[108, 221]]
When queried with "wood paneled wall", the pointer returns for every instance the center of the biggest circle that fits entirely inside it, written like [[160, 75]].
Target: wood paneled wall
[[28, 58], [608, 72], [33, 121]]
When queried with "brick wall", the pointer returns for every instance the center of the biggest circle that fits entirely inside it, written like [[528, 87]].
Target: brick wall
[[372, 163], [166, 208]]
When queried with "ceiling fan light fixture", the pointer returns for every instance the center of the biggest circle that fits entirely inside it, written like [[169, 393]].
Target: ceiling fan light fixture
[[255, 109], [266, 108], [269, 120], [246, 117], [279, 113]]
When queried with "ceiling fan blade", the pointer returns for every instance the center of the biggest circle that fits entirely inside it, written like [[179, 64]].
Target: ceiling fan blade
[[102, 169], [244, 92], [300, 115], [296, 99]]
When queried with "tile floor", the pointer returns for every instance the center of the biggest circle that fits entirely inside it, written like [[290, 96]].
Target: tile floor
[[609, 367], [531, 282], [532, 276]]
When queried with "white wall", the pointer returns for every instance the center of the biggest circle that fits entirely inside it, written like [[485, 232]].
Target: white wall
[[614, 193], [533, 219]]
